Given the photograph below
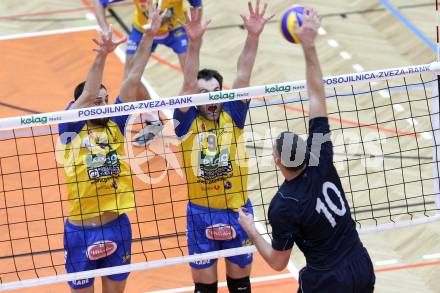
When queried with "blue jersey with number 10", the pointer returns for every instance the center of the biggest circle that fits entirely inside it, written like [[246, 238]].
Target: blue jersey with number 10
[[311, 210]]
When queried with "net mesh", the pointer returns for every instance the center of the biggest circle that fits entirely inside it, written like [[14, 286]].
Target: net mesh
[[383, 136]]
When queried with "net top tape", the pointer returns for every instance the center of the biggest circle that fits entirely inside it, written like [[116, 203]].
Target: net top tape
[[126, 268], [206, 98]]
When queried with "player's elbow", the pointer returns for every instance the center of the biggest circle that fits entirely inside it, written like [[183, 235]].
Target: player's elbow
[[278, 266], [279, 262]]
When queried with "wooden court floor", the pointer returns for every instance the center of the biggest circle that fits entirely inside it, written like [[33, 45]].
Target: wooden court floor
[[42, 74]]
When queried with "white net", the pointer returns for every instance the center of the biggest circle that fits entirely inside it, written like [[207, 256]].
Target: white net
[[385, 131]]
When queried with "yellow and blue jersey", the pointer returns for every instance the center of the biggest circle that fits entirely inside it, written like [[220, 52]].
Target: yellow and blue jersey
[[214, 153], [176, 11], [97, 178]]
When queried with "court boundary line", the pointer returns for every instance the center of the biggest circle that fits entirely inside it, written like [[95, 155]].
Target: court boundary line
[[395, 12], [56, 11], [48, 32]]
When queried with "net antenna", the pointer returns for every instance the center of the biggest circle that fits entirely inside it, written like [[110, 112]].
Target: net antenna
[[435, 117], [437, 11], [386, 138], [436, 109]]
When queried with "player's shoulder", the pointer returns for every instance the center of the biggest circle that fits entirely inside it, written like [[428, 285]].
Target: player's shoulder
[[285, 205], [285, 194], [287, 197]]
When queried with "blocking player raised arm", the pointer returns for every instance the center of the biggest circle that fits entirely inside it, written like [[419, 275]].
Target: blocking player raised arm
[[100, 8], [132, 86], [315, 88], [254, 25], [195, 29], [93, 82]]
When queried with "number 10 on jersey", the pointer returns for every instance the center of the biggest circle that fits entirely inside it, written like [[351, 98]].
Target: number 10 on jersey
[[324, 207]]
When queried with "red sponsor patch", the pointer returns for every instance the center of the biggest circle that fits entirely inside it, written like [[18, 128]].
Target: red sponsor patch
[[220, 232], [101, 249]]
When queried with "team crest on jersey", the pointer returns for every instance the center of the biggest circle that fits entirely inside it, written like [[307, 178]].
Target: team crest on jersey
[[214, 168], [103, 165], [220, 232], [101, 249]]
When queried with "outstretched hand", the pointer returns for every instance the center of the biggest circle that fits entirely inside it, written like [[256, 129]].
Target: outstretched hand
[[309, 29], [256, 21], [246, 221], [106, 43], [154, 18], [194, 26]]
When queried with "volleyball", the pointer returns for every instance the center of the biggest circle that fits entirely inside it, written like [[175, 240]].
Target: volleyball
[[291, 21]]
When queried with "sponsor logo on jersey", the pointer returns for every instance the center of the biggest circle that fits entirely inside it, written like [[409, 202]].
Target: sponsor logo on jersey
[[228, 185], [214, 168], [80, 282], [202, 262], [101, 249], [220, 232], [100, 165]]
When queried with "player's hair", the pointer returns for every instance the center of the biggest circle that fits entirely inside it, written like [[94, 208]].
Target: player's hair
[[298, 144], [208, 74], [80, 88]]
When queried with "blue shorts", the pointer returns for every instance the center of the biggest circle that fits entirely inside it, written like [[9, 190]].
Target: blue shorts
[[353, 275], [211, 229], [89, 248], [176, 40]]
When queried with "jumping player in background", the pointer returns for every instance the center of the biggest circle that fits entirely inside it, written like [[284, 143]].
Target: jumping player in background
[[97, 233], [310, 208], [171, 34], [215, 159]]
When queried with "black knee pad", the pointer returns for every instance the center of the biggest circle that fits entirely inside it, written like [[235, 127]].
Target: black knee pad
[[205, 288], [242, 285]]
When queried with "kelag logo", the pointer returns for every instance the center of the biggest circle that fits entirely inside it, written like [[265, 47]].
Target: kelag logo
[[221, 96], [277, 88], [32, 120]]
